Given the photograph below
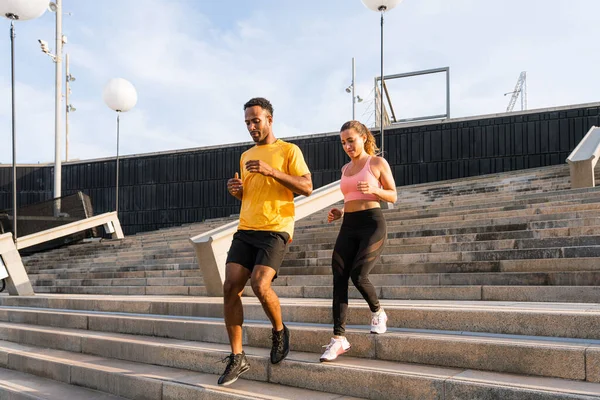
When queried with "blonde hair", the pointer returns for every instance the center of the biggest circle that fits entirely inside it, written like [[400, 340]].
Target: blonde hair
[[370, 145]]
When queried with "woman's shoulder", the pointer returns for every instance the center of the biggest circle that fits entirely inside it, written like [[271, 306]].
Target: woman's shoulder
[[378, 161]]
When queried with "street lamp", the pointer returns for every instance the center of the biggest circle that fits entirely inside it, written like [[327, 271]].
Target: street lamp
[[69, 107], [351, 88], [120, 95], [56, 8], [18, 10], [381, 6]]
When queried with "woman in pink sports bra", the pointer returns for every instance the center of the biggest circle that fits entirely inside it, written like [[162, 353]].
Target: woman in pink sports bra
[[366, 180]]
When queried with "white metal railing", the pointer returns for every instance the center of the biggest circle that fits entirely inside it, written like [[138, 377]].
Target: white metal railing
[[211, 247], [583, 159], [11, 265]]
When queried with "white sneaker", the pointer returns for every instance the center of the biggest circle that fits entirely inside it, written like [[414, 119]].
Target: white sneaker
[[335, 348], [379, 321]]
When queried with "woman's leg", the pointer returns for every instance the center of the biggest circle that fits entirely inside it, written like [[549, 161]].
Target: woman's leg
[[343, 255], [373, 236]]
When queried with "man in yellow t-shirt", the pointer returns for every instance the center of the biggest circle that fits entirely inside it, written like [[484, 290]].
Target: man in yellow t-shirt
[[272, 171]]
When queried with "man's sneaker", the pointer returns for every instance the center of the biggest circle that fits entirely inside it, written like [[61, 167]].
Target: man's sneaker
[[281, 345], [379, 321], [335, 348], [237, 364]]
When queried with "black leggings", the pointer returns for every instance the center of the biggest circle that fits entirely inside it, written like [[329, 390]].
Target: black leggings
[[358, 245]]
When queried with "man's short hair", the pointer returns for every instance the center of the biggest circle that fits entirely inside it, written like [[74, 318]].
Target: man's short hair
[[261, 102]]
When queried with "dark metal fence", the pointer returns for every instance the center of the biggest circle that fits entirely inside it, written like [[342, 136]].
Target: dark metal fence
[[167, 189]]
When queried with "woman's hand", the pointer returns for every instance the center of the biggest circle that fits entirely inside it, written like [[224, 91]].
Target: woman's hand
[[334, 214], [365, 188]]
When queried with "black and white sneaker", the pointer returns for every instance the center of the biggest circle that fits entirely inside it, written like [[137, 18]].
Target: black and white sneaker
[[237, 364]]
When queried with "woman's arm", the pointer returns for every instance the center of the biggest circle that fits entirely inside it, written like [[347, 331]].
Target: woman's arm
[[387, 191]]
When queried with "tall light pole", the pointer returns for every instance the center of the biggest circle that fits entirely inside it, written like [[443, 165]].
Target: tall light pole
[[381, 6], [17, 10], [57, 8], [352, 89], [68, 107], [120, 95]]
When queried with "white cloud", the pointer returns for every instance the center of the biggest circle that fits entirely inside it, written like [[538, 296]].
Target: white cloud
[[194, 65]]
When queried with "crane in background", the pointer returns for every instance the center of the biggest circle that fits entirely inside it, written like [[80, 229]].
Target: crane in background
[[520, 89]]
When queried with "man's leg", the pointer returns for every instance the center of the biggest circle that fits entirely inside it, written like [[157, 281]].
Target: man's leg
[[261, 284], [236, 277], [261, 279]]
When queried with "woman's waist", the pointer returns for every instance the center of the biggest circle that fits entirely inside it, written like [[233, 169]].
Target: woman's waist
[[360, 205], [363, 218]]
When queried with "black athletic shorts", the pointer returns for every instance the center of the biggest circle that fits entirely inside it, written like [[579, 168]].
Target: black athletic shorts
[[250, 248]]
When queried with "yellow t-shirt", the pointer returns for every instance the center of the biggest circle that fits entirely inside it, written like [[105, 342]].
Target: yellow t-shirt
[[267, 205]]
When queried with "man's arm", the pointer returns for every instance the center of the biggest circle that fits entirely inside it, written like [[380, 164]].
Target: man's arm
[[297, 184]]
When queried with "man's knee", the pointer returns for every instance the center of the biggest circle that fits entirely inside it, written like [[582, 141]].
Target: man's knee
[[261, 288], [232, 289]]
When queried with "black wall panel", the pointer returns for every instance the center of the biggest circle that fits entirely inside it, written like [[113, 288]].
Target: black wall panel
[[162, 190]]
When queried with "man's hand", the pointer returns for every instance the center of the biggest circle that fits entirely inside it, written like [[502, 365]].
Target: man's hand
[[334, 214], [260, 167], [234, 185]]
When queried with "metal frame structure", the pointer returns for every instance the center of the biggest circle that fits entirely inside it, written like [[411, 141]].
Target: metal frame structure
[[520, 90], [411, 74]]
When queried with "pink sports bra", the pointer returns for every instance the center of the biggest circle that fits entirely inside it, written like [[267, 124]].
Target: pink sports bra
[[348, 183]]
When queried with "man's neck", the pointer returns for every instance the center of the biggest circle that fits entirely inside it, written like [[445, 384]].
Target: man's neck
[[268, 140]]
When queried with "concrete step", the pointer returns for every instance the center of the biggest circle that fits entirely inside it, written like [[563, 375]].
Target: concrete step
[[575, 278], [474, 229], [116, 245], [171, 281], [441, 239], [530, 293], [441, 267], [534, 319], [73, 261], [525, 207], [16, 385], [118, 269], [66, 274], [135, 380], [526, 265], [301, 370], [537, 221], [458, 246], [482, 205], [538, 213], [125, 290], [124, 249], [496, 353], [456, 256], [540, 356], [562, 294]]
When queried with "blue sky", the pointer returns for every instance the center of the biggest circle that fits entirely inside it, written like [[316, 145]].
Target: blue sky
[[195, 63]]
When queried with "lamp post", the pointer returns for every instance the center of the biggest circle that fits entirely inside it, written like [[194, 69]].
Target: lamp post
[[352, 89], [381, 6], [18, 10], [69, 107], [56, 7], [120, 95]]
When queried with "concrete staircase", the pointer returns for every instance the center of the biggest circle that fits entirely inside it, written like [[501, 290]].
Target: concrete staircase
[[171, 348], [489, 284], [518, 236]]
